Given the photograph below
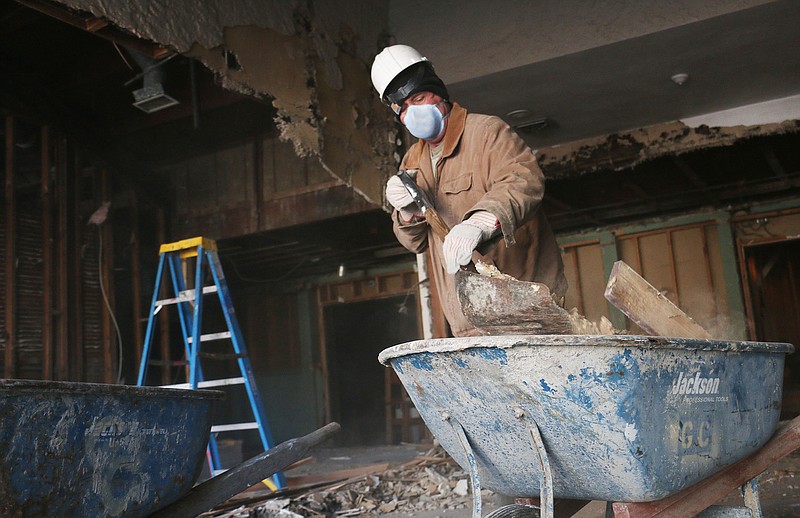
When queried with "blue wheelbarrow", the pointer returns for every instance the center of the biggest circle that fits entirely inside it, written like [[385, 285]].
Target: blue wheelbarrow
[[578, 417], [85, 449]]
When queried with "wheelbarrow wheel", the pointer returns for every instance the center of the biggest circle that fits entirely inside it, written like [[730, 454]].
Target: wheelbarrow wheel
[[514, 511]]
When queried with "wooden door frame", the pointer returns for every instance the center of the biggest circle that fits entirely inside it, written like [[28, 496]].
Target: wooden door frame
[[741, 248], [745, 276], [328, 294]]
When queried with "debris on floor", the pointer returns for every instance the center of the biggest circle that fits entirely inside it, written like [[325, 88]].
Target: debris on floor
[[432, 481]]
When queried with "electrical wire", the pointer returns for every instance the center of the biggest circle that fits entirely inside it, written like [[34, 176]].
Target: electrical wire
[[273, 280], [124, 59], [107, 303], [401, 308]]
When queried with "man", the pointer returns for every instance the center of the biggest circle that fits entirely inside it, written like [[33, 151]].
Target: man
[[480, 175]]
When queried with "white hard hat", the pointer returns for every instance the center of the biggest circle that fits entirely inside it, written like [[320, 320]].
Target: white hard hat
[[399, 71], [390, 62]]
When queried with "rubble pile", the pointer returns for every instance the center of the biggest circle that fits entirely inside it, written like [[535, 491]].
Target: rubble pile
[[429, 482]]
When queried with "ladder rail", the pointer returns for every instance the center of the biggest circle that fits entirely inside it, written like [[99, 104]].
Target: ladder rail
[[197, 317], [256, 403], [239, 347], [148, 335]]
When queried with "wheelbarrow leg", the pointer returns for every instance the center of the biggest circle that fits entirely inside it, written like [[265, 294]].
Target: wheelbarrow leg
[[546, 506], [205, 496], [477, 503], [694, 499], [546, 484], [550, 507]]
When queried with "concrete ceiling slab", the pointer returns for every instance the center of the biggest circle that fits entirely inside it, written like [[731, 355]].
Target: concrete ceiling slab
[[616, 74]]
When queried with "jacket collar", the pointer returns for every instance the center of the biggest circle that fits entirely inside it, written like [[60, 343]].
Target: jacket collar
[[455, 128]]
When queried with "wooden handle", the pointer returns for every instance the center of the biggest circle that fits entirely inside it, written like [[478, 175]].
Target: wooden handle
[[698, 497], [436, 222]]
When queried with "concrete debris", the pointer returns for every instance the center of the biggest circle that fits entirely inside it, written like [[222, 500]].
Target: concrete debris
[[430, 482]]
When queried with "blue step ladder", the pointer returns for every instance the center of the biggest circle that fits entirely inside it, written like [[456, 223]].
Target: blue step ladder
[[176, 257]]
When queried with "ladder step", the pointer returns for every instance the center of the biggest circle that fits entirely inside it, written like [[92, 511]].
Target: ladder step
[[213, 336], [210, 383], [233, 427], [185, 296]]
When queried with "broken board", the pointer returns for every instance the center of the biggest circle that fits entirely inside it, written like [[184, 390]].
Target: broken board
[[648, 307]]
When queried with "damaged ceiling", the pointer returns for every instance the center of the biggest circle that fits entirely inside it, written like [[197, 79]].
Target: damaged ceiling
[[596, 75]]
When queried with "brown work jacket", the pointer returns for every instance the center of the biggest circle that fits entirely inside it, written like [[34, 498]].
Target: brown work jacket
[[485, 165]]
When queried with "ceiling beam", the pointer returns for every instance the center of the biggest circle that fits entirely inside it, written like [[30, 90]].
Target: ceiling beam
[[99, 26], [688, 172], [773, 161]]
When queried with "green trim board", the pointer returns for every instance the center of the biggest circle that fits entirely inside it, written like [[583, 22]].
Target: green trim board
[[607, 238]]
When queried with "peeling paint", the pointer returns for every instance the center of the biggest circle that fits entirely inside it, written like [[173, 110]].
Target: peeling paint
[[308, 57], [605, 407]]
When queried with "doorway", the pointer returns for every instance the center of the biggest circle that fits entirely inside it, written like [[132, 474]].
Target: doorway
[[355, 332], [773, 282]]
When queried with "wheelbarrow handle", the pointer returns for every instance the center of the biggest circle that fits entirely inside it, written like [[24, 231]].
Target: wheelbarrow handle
[[205, 496]]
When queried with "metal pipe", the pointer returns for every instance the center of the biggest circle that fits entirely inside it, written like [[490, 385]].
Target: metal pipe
[[149, 67], [425, 297]]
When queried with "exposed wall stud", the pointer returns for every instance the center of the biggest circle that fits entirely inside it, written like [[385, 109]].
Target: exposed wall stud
[[47, 258], [163, 318], [10, 270], [76, 309], [110, 356], [136, 278], [62, 274]]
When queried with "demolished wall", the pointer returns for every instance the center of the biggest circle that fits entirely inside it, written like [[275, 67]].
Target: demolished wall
[[309, 57]]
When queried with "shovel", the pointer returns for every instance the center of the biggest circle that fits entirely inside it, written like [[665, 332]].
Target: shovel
[[491, 301]]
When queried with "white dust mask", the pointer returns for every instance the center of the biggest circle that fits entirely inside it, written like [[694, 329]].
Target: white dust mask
[[424, 121]]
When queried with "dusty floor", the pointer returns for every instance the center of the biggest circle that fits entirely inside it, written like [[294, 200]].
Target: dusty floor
[[779, 486]]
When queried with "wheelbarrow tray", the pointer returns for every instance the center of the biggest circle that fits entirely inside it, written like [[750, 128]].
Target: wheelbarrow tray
[[84, 449], [623, 418]]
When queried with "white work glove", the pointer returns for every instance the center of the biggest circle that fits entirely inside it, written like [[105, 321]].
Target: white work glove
[[399, 198], [464, 237]]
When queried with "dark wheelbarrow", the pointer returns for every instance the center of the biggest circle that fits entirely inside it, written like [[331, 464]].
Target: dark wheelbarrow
[[85, 449]]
